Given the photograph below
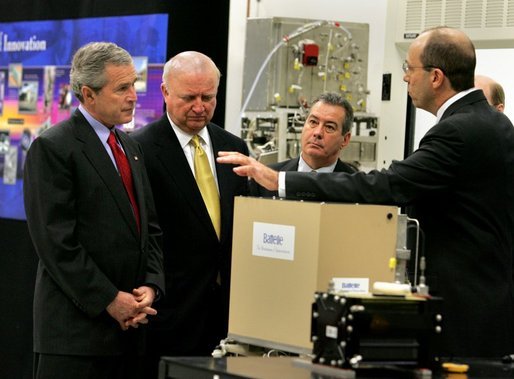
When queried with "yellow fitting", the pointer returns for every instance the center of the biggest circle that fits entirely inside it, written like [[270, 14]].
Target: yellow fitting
[[297, 65]]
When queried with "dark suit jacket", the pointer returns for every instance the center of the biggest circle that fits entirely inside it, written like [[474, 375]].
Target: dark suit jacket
[[81, 223], [460, 186], [291, 165], [190, 320]]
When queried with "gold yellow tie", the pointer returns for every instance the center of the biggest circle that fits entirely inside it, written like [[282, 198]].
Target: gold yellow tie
[[206, 184]]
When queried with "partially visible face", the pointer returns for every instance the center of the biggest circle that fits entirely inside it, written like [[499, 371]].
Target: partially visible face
[[485, 86], [114, 104], [190, 99], [418, 79], [320, 148]]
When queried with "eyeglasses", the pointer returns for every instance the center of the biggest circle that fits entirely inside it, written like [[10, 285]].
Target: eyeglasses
[[407, 68]]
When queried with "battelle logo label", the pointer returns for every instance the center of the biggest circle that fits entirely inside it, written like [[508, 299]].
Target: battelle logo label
[[356, 285], [273, 241]]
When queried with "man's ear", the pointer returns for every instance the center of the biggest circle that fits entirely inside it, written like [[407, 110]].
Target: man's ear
[[87, 94], [164, 90], [346, 139], [437, 76]]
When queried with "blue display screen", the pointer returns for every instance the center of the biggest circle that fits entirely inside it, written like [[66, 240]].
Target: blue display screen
[[35, 59]]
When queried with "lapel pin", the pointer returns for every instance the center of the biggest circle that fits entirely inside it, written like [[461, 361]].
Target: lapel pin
[[135, 157]]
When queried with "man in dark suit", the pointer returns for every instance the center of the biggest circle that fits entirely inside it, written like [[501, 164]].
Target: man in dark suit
[[327, 130], [98, 241], [458, 184], [193, 316]]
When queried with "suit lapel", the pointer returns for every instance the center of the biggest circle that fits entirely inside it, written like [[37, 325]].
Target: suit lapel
[[291, 165], [96, 154], [225, 175], [223, 171], [171, 155]]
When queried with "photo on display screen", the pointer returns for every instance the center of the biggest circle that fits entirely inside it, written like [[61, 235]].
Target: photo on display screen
[[27, 97], [48, 84], [2, 91], [15, 74], [65, 96], [11, 165], [5, 142], [141, 65]]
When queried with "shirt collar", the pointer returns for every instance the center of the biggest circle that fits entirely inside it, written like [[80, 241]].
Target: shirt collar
[[452, 100], [100, 129], [304, 167]]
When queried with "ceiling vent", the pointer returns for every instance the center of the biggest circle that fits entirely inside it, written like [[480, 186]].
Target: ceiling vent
[[489, 23]]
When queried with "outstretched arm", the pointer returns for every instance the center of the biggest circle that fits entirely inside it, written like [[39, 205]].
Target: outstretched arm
[[248, 166]]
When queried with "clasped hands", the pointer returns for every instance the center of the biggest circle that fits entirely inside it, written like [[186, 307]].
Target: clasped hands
[[132, 309]]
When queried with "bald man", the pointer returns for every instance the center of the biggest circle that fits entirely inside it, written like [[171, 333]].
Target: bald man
[[458, 184], [493, 91], [193, 316]]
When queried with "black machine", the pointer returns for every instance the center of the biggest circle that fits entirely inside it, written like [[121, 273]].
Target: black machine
[[349, 329]]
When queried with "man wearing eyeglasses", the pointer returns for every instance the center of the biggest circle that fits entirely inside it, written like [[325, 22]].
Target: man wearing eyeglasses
[[458, 184], [325, 133]]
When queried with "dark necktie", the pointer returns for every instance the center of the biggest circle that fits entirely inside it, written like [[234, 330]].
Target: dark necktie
[[125, 173]]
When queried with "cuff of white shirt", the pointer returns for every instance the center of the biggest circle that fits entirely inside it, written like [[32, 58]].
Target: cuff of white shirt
[[282, 184]]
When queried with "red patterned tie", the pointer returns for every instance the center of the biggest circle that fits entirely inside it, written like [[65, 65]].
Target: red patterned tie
[[126, 174]]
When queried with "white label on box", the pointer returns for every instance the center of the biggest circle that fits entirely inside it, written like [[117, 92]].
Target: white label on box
[[331, 331], [357, 285], [273, 241]]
